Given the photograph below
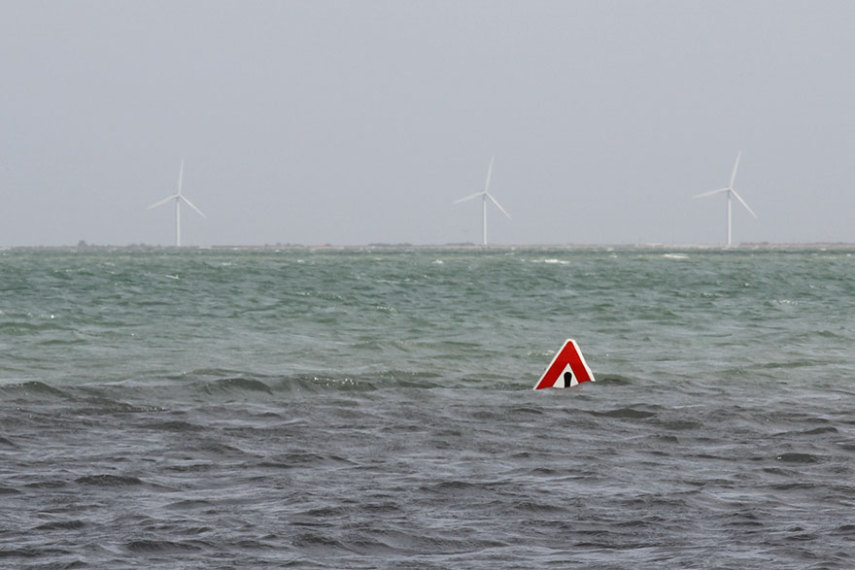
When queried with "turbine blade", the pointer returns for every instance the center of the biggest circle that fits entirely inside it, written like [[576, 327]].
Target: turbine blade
[[489, 174], [189, 203], [162, 202], [180, 176], [744, 203], [735, 166], [499, 206], [711, 192], [476, 195]]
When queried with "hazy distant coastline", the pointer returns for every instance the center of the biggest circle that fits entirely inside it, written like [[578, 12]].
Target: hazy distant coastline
[[762, 246]]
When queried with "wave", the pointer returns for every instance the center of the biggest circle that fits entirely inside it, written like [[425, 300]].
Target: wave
[[159, 392], [107, 480], [209, 385], [32, 389]]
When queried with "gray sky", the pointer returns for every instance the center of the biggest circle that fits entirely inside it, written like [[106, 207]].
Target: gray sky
[[355, 122]]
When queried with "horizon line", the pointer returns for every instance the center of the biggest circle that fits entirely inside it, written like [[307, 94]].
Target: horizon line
[[451, 245]]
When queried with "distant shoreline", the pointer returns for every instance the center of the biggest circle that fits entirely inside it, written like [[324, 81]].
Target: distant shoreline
[[761, 246]]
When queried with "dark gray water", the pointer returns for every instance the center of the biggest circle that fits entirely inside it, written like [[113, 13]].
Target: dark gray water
[[373, 409]]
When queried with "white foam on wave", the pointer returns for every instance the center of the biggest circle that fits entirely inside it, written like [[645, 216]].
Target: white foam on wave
[[552, 261]]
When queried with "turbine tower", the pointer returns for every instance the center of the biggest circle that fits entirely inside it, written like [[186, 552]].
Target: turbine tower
[[485, 195], [178, 197], [731, 193]]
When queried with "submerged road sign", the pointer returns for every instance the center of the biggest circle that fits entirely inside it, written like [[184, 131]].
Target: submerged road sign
[[567, 369]]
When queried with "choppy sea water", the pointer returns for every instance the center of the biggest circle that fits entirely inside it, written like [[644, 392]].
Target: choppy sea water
[[372, 408]]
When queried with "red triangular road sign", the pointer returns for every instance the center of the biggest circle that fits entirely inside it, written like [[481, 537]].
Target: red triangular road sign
[[567, 369]]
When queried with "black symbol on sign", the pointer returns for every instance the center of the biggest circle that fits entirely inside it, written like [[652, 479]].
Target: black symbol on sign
[[568, 377]]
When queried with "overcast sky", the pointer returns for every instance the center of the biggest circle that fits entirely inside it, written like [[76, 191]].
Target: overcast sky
[[356, 122]]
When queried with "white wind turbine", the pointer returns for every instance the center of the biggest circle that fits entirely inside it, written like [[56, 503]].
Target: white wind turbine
[[178, 197], [731, 193], [485, 195]]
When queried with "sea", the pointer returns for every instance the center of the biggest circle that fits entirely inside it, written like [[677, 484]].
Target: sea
[[372, 407]]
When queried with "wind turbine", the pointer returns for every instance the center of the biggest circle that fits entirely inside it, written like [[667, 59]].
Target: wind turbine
[[731, 193], [178, 197], [485, 195]]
